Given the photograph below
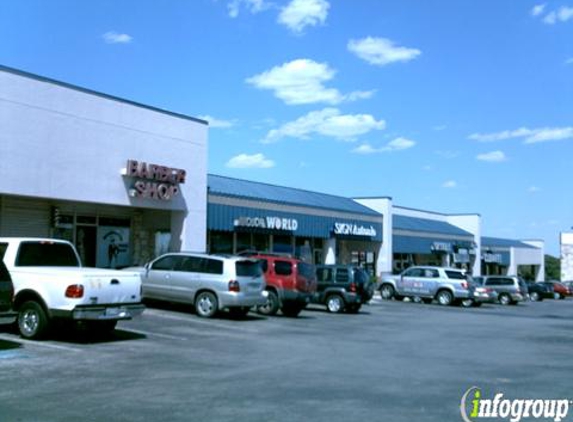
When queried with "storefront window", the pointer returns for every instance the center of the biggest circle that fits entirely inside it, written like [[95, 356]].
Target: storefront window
[[243, 242], [261, 242], [221, 242], [282, 244]]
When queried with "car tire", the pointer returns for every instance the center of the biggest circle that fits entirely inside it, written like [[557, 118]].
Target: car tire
[[467, 303], [271, 307], [292, 310], [33, 322], [535, 297], [387, 292], [445, 298], [239, 312], [504, 299], [334, 304], [206, 305]]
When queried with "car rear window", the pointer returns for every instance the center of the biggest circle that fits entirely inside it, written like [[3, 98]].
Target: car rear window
[[342, 275], [283, 267], [248, 268], [456, 275], [4, 274], [46, 254]]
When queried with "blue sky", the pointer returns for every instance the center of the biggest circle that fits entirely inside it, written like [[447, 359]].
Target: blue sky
[[454, 106]]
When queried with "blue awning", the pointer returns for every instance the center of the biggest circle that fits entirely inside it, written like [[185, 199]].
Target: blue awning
[[235, 218], [428, 245]]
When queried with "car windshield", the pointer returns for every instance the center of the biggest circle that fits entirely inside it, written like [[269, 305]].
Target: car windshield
[[248, 268]]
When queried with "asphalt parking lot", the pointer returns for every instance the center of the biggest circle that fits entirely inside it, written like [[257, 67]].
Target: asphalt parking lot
[[394, 361]]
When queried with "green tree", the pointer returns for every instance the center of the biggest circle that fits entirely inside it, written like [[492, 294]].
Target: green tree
[[552, 268]]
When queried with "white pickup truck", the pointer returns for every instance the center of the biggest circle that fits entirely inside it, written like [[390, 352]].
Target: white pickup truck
[[50, 284]]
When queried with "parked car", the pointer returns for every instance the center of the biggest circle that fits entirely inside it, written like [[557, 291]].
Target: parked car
[[539, 291], [510, 289], [291, 283], [211, 283], [50, 284], [481, 295], [7, 313], [342, 287], [560, 290], [446, 285]]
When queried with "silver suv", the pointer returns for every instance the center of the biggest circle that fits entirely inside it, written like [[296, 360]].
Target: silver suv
[[209, 282], [510, 289], [446, 285]]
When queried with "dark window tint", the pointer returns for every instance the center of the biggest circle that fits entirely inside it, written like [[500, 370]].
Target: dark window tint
[[4, 274], [46, 254], [283, 267], [414, 272], [342, 275], [166, 263], [191, 264], [3, 247], [306, 270], [324, 274], [248, 269], [456, 275], [498, 281], [212, 266]]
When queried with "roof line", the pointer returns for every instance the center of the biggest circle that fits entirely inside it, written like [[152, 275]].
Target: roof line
[[98, 94]]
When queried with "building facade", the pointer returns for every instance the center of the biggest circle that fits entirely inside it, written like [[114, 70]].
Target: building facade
[[121, 180], [566, 241]]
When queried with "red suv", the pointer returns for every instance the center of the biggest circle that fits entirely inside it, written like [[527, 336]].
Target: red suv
[[291, 284]]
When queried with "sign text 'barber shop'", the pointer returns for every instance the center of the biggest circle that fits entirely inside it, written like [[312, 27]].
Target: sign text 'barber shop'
[[154, 181], [350, 229], [267, 222]]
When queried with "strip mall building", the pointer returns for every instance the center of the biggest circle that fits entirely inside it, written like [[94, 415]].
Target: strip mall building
[[125, 182]]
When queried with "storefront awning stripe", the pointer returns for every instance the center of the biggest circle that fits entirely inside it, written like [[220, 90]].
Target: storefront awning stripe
[[427, 245], [224, 218]]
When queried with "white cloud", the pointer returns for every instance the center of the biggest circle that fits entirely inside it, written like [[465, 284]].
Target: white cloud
[[533, 189], [302, 81], [569, 60], [113, 37], [563, 14], [299, 14], [253, 6], [328, 122], [492, 157], [538, 9], [215, 123], [398, 144], [243, 161], [450, 184], [381, 51], [530, 136]]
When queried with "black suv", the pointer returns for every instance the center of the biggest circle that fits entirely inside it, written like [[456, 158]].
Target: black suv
[[7, 314], [342, 287]]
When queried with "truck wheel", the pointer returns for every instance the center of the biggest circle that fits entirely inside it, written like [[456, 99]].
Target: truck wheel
[[534, 297], [292, 310], [387, 292], [444, 298], [334, 304], [206, 305], [33, 322], [271, 307], [467, 303], [504, 299]]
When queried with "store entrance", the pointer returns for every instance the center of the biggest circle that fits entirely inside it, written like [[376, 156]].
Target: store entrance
[[86, 244]]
